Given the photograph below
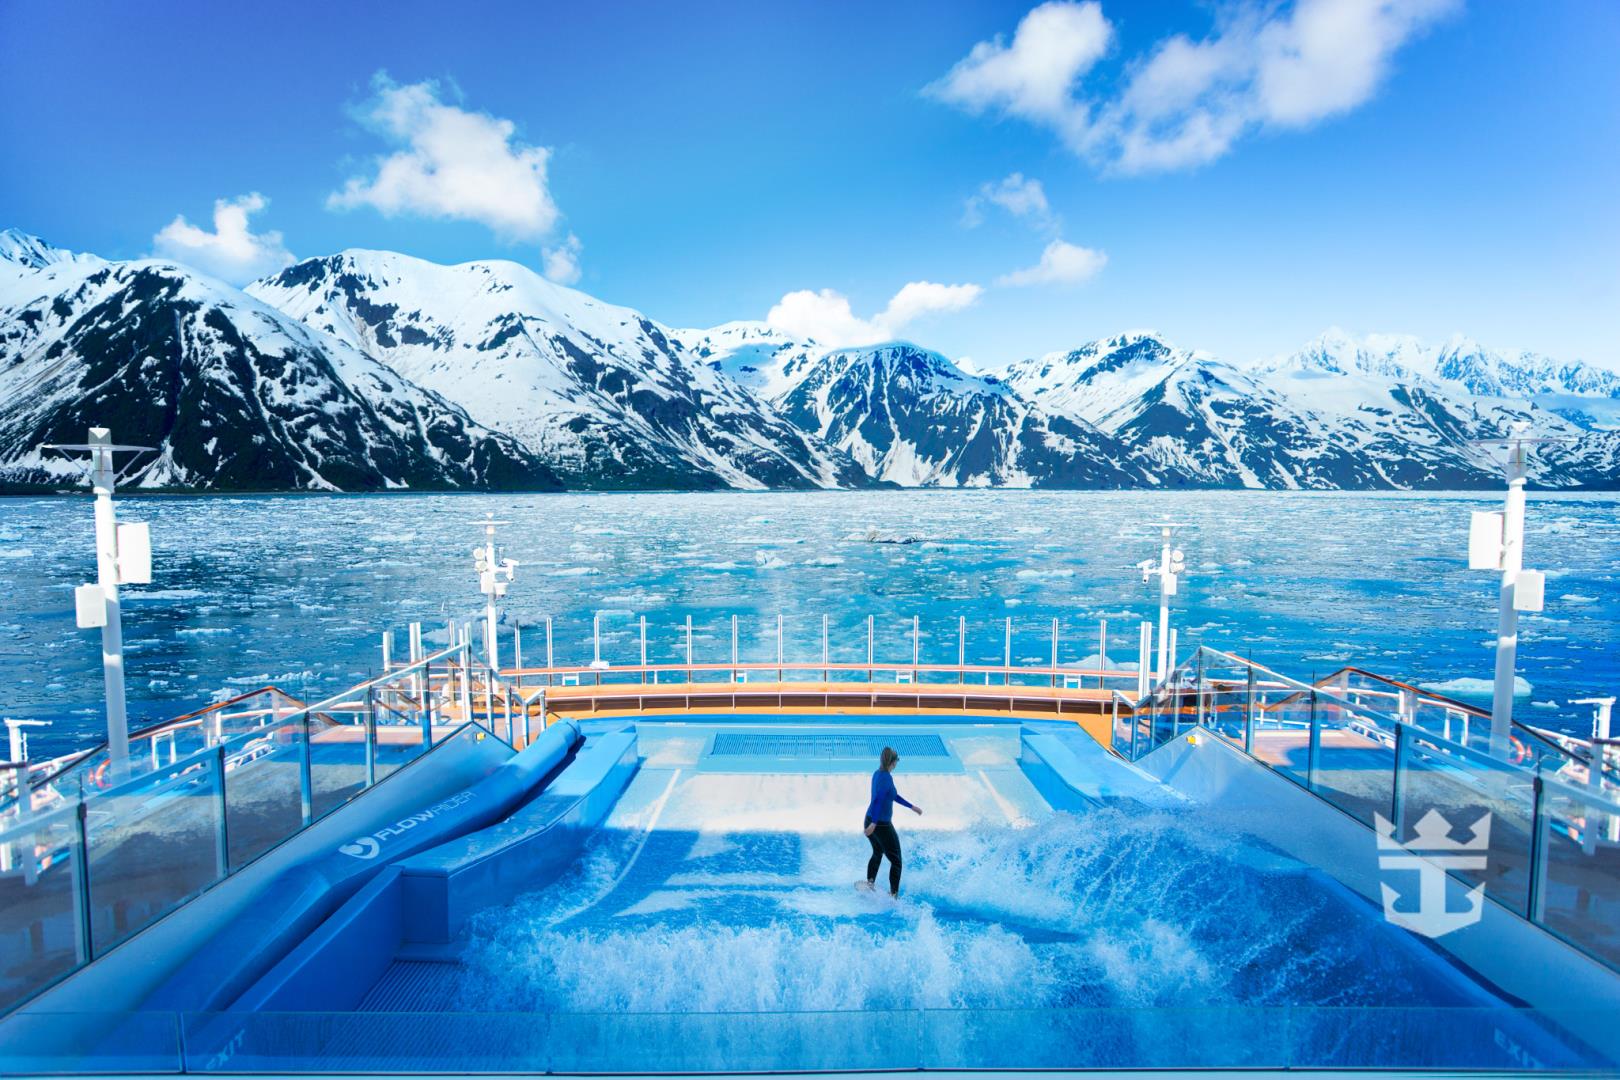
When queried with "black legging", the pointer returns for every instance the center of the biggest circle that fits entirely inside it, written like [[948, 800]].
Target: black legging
[[884, 841]]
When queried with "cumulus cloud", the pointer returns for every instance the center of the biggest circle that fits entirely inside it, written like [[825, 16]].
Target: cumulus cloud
[[450, 163], [232, 252], [561, 263], [1186, 102], [1020, 196], [826, 316], [1061, 264]]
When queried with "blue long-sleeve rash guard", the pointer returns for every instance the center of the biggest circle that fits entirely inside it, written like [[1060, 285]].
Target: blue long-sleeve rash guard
[[884, 797]]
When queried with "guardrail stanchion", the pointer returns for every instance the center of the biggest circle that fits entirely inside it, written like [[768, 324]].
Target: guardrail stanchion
[[222, 837], [1536, 897], [83, 941], [371, 735], [1199, 685], [306, 786], [1248, 715], [1314, 752], [1397, 788]]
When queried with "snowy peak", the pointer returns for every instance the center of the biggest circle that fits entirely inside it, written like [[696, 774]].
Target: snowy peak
[[29, 252], [909, 416], [762, 358], [606, 394]]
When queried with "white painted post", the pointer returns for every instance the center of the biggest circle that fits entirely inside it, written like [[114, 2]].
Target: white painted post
[[1602, 712], [549, 663], [916, 646], [596, 640], [961, 649], [826, 653], [517, 646], [780, 674], [1102, 653], [1144, 659], [1006, 662], [870, 635], [490, 572], [25, 798], [689, 648], [644, 648], [1172, 655], [1054, 652], [388, 650], [734, 648]]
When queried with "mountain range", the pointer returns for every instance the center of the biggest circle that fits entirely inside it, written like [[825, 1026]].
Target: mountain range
[[372, 370]]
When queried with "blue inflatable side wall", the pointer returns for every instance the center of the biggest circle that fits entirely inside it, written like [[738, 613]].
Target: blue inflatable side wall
[[427, 898], [293, 904], [1072, 772]]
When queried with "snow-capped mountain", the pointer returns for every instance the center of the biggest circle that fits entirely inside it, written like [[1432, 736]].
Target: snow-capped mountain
[[759, 356], [911, 417], [1200, 422], [232, 394], [605, 395], [371, 370]]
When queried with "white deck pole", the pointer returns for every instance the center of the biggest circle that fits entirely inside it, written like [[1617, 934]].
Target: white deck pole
[[1006, 655], [1166, 586], [102, 480], [780, 674], [1054, 652], [549, 664], [387, 649], [1507, 619], [1102, 652], [870, 635], [517, 646], [1602, 712], [916, 646], [961, 649], [1144, 659], [689, 648], [491, 573], [734, 648]]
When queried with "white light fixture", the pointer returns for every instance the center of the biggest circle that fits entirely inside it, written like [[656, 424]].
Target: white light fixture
[[494, 575], [1172, 562], [123, 557]]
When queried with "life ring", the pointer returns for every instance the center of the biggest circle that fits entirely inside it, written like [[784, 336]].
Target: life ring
[[1517, 751], [98, 775]]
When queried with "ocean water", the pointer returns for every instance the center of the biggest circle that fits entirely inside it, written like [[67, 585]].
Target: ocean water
[[296, 590]]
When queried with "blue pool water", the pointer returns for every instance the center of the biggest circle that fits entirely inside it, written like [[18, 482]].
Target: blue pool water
[[293, 589]]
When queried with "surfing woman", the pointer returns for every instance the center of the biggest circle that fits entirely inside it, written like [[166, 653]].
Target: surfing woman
[[880, 822]]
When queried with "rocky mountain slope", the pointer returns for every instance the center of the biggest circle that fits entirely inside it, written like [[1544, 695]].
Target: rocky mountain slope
[[603, 393], [232, 394]]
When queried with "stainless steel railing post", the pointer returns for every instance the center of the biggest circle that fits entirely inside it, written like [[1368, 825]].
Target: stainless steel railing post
[[1248, 715], [1314, 752], [306, 785], [83, 941], [1199, 687], [371, 736], [1397, 788], [1536, 896], [222, 836]]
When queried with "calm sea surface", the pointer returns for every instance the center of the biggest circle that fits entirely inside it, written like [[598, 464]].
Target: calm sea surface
[[296, 590]]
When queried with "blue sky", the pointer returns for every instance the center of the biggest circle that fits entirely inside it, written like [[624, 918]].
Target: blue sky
[[1239, 176]]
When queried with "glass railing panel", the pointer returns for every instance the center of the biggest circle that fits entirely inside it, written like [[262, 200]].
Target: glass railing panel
[[263, 805], [282, 1042], [152, 844], [1282, 730], [1462, 789], [1434, 1038], [403, 719], [1581, 878], [37, 945], [54, 1044], [735, 1042], [337, 764], [1178, 1038], [1355, 768]]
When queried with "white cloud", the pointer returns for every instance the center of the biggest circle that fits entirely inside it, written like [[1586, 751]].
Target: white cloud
[[1186, 102], [451, 163], [232, 252], [1020, 196], [1061, 264], [1053, 46], [561, 263], [827, 318]]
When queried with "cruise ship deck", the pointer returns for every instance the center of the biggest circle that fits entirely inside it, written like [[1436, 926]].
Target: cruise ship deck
[[652, 869]]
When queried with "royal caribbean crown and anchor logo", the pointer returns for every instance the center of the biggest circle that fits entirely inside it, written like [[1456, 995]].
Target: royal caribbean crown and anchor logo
[[1431, 854]]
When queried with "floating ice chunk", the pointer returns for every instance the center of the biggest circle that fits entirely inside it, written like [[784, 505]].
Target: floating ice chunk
[[1479, 687]]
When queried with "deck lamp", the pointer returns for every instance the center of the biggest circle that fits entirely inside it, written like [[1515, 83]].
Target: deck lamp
[[123, 557], [1172, 562], [1496, 542], [494, 575]]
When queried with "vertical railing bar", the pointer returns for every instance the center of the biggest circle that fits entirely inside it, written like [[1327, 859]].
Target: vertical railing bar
[[306, 785], [83, 940], [1397, 787], [1248, 715], [1314, 750], [1536, 895], [222, 836], [371, 736], [1199, 687]]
